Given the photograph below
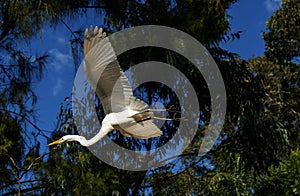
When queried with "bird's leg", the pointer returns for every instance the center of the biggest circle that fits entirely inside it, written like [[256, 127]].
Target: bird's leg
[[159, 118], [170, 109], [143, 119], [142, 115], [166, 110], [163, 110], [149, 114]]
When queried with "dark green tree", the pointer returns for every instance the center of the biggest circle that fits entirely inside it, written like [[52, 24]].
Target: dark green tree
[[282, 35], [21, 20], [284, 179]]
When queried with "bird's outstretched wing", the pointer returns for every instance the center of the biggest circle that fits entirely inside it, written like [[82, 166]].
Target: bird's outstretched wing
[[143, 130], [104, 73], [112, 86]]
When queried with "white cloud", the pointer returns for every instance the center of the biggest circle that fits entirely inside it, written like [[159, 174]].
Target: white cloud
[[61, 40], [272, 5], [57, 87], [60, 60]]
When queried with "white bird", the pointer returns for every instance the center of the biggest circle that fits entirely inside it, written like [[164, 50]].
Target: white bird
[[131, 116]]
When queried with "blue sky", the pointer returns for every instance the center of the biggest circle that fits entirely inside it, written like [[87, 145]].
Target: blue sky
[[247, 16], [250, 17]]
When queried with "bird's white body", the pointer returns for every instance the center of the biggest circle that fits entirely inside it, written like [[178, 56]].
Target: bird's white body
[[119, 117], [131, 116]]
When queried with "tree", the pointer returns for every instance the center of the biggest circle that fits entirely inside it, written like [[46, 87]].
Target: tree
[[282, 35], [284, 180], [21, 20]]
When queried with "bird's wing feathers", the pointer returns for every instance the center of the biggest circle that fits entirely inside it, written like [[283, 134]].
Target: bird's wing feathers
[[112, 87], [91, 38], [104, 73], [143, 130], [137, 104]]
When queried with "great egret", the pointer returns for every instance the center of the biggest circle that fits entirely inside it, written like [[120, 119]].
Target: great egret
[[131, 116]]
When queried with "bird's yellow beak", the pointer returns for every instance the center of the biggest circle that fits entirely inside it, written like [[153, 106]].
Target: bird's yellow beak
[[55, 142]]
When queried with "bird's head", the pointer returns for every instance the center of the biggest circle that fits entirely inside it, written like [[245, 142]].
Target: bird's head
[[68, 138]]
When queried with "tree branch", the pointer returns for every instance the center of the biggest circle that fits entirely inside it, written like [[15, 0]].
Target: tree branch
[[29, 121], [14, 192]]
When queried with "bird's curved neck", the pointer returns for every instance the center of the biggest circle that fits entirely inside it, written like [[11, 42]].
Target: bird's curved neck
[[103, 131]]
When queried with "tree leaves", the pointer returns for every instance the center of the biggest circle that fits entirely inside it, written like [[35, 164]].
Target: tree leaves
[[282, 36]]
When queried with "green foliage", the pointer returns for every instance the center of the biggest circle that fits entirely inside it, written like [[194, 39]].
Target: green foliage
[[21, 20], [281, 88], [77, 171], [231, 178], [282, 36], [285, 178], [206, 20], [182, 183], [11, 150]]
